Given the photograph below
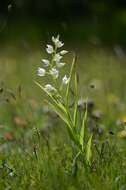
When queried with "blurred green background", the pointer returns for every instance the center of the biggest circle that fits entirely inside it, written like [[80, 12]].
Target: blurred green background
[[91, 21]]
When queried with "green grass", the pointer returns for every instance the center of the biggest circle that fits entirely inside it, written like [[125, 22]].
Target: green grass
[[35, 151]]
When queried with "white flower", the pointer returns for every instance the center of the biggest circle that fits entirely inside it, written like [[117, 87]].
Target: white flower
[[65, 80], [49, 88], [49, 49], [57, 42], [41, 72], [57, 57], [46, 62], [60, 64], [63, 52], [54, 72]]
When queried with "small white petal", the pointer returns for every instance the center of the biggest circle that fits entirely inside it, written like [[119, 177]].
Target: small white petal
[[41, 72], [57, 42], [49, 88], [49, 49], [45, 62], [60, 44], [57, 57], [60, 64], [63, 52], [65, 80], [54, 72]]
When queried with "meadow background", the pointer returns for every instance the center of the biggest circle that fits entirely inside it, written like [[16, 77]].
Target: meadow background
[[35, 151]]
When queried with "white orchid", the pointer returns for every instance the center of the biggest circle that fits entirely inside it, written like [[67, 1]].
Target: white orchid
[[65, 80], [49, 88], [57, 57], [54, 72], [60, 64], [57, 42], [41, 72], [49, 49], [59, 98], [63, 52], [46, 62]]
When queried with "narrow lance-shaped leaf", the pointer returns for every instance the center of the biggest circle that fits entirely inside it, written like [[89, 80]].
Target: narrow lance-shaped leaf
[[76, 100], [82, 131], [61, 111], [52, 98], [68, 90], [89, 151], [63, 117], [68, 85]]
